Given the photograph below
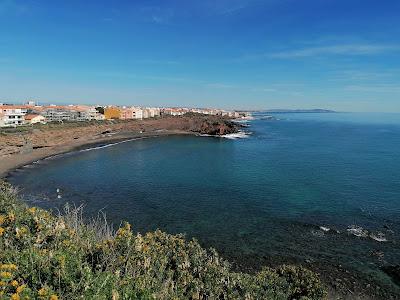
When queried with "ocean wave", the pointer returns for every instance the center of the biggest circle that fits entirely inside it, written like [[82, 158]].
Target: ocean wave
[[364, 233], [109, 145], [357, 231], [238, 135], [242, 121], [378, 236], [230, 136], [323, 228]]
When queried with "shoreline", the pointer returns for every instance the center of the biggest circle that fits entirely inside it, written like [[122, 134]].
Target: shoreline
[[362, 290], [27, 145], [20, 160]]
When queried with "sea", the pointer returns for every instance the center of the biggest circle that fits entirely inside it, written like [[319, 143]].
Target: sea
[[319, 189]]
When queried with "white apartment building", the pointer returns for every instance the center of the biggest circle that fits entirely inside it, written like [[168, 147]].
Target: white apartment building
[[1, 120], [146, 114], [137, 114], [154, 112], [12, 115], [89, 114]]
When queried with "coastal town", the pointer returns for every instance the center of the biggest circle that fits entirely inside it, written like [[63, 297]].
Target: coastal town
[[13, 115], [30, 132]]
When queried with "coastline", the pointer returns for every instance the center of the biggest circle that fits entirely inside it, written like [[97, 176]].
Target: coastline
[[27, 145], [16, 161], [363, 289]]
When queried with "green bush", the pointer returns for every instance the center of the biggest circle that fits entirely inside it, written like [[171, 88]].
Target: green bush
[[43, 256]]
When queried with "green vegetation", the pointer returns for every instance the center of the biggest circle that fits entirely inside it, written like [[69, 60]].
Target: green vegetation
[[43, 256]]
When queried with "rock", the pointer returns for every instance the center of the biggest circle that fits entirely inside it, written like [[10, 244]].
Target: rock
[[393, 272], [216, 128], [378, 254]]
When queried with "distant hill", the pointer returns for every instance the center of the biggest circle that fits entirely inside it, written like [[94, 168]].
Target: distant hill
[[318, 110]]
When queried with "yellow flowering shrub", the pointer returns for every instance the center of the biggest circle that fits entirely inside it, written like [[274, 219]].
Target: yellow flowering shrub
[[47, 257]]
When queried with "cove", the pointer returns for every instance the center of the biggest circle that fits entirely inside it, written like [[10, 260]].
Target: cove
[[259, 200]]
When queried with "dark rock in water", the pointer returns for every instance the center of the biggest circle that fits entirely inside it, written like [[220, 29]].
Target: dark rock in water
[[378, 254], [393, 272]]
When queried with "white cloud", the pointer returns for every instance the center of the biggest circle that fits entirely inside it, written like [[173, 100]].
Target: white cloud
[[348, 49], [357, 75], [224, 7], [158, 14], [329, 50], [377, 88]]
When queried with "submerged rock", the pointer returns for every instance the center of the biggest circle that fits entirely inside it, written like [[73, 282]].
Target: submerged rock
[[378, 236], [393, 272]]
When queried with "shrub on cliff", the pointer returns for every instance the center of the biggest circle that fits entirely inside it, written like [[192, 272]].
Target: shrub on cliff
[[43, 256]]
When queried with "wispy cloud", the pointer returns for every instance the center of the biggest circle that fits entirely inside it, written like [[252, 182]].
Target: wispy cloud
[[166, 13], [364, 76], [377, 88], [320, 51], [158, 14], [348, 49], [228, 7]]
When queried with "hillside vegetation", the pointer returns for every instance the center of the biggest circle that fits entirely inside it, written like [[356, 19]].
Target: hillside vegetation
[[43, 256]]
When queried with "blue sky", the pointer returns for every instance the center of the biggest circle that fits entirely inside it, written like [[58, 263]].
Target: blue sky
[[253, 54]]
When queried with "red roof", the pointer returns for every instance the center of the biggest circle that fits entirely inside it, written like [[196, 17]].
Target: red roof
[[30, 116], [15, 106]]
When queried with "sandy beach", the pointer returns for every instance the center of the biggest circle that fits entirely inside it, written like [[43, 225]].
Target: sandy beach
[[22, 147], [21, 159]]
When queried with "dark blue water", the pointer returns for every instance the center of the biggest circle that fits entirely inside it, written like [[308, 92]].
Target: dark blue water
[[258, 200]]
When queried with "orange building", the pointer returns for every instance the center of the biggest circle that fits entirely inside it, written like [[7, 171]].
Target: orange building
[[112, 113]]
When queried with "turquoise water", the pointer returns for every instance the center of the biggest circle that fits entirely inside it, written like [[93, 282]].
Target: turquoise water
[[258, 200]]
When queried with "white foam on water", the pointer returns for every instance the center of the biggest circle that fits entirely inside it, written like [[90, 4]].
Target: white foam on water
[[110, 145], [249, 118], [238, 135], [357, 231], [230, 136], [378, 236], [323, 228]]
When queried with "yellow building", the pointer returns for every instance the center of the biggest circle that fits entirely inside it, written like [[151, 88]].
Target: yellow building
[[112, 113]]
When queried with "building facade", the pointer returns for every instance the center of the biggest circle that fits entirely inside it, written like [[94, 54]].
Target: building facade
[[34, 119], [112, 113], [59, 115], [2, 119], [13, 115]]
